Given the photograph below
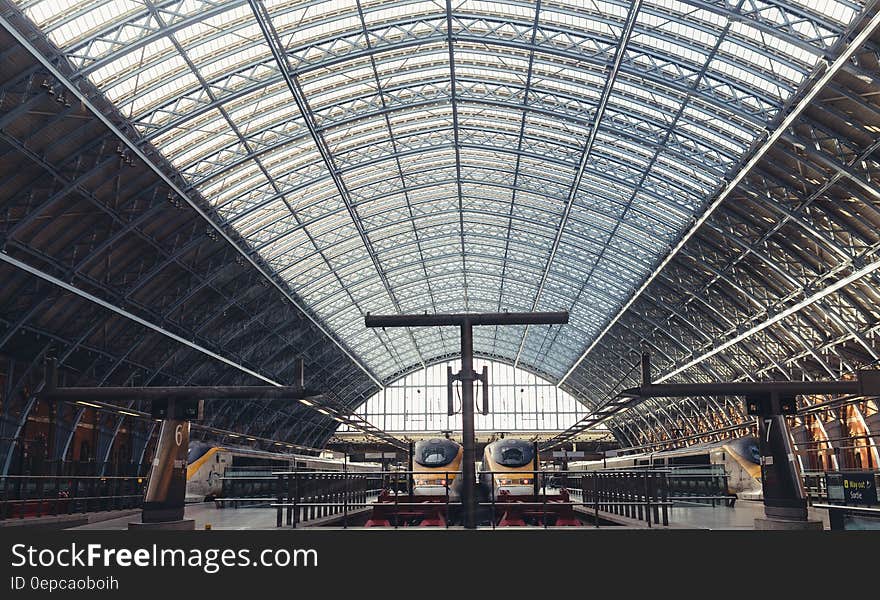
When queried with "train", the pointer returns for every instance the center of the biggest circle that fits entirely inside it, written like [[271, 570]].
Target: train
[[740, 458], [508, 467], [437, 468], [208, 465]]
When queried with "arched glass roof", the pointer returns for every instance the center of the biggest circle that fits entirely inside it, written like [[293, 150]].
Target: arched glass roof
[[452, 156]]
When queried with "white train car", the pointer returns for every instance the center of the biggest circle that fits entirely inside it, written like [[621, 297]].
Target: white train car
[[207, 465], [740, 458]]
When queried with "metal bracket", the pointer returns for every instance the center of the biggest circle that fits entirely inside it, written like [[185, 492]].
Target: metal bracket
[[869, 382]]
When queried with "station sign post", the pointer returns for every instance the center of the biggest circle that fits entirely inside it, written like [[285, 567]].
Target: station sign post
[[165, 496]]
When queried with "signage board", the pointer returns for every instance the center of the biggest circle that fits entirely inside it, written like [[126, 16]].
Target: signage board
[[859, 488], [851, 487], [568, 454], [182, 409], [380, 455]]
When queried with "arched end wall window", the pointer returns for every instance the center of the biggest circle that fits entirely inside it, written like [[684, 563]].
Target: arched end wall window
[[519, 401]]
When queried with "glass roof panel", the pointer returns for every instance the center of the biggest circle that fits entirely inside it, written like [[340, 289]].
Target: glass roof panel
[[392, 173]]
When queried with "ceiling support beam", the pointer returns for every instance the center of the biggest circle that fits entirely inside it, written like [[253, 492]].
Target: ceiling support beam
[[136, 150], [261, 14], [148, 325], [585, 158], [454, 102], [771, 138], [838, 285]]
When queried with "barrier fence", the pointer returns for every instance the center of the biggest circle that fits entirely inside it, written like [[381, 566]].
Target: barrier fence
[[310, 497], [35, 496], [306, 497]]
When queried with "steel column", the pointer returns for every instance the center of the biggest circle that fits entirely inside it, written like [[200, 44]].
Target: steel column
[[466, 323]]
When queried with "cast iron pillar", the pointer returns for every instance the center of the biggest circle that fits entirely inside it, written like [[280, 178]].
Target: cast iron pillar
[[468, 442], [165, 496]]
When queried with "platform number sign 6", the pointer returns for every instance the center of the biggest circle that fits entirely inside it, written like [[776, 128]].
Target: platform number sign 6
[[178, 435]]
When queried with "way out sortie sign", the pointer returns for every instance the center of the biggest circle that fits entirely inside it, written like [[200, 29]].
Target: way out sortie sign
[[852, 488]]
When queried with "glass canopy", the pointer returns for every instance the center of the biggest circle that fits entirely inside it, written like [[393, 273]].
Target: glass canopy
[[391, 156]]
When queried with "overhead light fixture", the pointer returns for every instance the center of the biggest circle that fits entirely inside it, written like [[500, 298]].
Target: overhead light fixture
[[130, 414], [89, 404], [306, 402]]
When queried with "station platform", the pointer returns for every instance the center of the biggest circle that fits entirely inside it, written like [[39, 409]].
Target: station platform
[[681, 516], [204, 513], [69, 521], [704, 516], [740, 516]]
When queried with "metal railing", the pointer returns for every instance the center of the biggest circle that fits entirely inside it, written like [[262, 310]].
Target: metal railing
[[814, 485], [42, 495], [310, 497], [307, 497], [313, 495], [642, 495]]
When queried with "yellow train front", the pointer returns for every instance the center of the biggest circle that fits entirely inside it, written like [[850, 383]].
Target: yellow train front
[[437, 468], [508, 468]]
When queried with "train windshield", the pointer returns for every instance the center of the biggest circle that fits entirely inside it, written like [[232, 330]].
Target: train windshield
[[434, 456], [435, 453], [513, 453], [196, 451]]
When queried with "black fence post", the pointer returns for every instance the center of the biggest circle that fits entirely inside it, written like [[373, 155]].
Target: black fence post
[[544, 499], [492, 492], [279, 492], [446, 492], [57, 495], [90, 495], [74, 494], [345, 501], [39, 497], [289, 498], [664, 495], [295, 499], [656, 496]]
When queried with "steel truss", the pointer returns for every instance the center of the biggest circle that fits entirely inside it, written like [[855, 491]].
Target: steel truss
[[519, 157]]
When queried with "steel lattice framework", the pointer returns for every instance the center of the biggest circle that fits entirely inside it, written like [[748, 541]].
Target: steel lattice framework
[[398, 156], [651, 166]]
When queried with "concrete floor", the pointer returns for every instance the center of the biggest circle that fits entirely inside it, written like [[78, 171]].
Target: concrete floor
[[741, 516], [206, 512], [696, 516]]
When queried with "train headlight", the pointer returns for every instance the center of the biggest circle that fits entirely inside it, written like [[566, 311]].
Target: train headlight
[[505, 481], [526, 481]]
